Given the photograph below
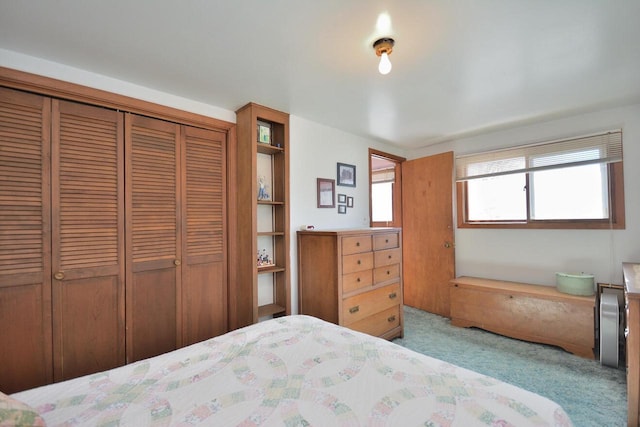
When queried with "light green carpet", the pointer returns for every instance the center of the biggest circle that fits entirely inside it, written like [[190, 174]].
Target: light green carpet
[[592, 395]]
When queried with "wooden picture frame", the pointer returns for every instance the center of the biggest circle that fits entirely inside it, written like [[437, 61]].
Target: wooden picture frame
[[346, 175], [264, 133], [326, 193]]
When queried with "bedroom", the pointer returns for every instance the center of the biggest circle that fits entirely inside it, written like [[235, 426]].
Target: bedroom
[[600, 251]]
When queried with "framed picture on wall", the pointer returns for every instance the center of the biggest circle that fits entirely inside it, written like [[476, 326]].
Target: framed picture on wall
[[346, 175], [326, 193], [342, 198], [349, 202], [342, 209]]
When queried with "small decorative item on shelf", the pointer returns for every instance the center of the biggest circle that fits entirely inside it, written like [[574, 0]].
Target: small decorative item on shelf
[[262, 189], [263, 259], [264, 133]]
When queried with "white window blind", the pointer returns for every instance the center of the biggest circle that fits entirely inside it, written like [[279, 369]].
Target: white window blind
[[600, 148], [383, 175]]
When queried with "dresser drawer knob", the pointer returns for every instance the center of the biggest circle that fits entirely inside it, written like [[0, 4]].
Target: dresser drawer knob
[[359, 262], [392, 295], [390, 257], [388, 272], [386, 240], [357, 243], [355, 309], [391, 319]]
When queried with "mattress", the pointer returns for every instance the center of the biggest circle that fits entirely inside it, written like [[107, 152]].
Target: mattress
[[291, 371]]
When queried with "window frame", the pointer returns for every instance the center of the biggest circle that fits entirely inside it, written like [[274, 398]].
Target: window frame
[[615, 221]]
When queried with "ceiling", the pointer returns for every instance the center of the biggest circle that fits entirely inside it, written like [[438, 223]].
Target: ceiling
[[460, 67]]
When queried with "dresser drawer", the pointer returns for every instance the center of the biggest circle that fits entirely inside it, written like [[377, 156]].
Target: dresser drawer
[[378, 323], [363, 305], [388, 257], [385, 241], [356, 244], [386, 273], [357, 262], [357, 280]]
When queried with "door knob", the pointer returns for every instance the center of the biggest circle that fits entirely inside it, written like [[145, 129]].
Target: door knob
[[59, 275], [447, 245], [177, 262]]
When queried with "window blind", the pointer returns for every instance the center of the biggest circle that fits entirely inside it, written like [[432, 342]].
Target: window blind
[[383, 175], [600, 148]]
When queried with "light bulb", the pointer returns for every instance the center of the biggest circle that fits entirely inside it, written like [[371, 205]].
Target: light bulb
[[385, 65]]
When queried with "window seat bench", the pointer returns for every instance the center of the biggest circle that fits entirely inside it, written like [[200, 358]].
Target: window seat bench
[[527, 312]]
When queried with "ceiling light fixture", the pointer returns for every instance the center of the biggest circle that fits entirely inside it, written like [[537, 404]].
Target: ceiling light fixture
[[383, 48]]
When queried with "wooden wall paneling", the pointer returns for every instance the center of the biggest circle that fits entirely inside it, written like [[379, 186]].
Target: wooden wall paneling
[[25, 241], [204, 276], [87, 239], [154, 248]]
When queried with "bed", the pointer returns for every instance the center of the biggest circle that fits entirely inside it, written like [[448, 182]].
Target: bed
[[290, 371]]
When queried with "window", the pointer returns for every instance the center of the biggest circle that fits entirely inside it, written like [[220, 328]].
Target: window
[[385, 189], [575, 183]]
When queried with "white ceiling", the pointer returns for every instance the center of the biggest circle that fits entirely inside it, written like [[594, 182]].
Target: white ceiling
[[460, 67]]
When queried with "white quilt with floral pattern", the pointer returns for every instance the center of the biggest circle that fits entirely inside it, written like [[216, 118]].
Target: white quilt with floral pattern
[[291, 371]]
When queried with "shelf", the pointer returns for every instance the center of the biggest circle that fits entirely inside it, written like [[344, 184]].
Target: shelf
[[270, 233], [263, 224], [270, 269], [268, 149], [270, 202], [270, 309]]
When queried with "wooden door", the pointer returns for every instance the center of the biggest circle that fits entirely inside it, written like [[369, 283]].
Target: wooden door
[[87, 239], [153, 236], [204, 272], [427, 212], [25, 241]]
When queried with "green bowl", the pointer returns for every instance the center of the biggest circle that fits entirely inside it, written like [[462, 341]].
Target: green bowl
[[575, 284]]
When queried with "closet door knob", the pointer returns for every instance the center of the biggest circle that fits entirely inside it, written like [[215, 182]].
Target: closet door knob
[[177, 262], [59, 275]]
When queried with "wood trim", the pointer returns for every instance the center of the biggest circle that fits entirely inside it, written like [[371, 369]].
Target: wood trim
[[74, 92], [397, 197]]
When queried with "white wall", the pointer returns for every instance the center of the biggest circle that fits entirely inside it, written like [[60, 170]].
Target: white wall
[[58, 71], [315, 151], [534, 256]]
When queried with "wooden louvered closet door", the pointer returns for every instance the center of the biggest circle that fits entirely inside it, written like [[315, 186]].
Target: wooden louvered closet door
[[153, 236], [87, 239], [25, 254], [204, 288]]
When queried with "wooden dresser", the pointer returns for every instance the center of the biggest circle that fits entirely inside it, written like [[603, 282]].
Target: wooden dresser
[[631, 272], [353, 278]]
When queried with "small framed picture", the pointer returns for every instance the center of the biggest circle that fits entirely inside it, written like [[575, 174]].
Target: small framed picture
[[326, 193], [342, 198], [346, 175], [349, 202], [342, 209], [264, 133]]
